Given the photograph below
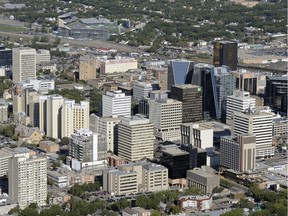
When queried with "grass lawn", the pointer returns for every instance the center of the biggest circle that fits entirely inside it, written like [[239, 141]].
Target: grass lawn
[[8, 28]]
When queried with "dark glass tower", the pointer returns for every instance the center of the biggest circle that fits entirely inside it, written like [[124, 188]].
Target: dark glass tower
[[180, 72], [225, 53], [5, 57]]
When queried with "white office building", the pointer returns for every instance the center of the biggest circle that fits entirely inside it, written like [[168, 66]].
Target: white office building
[[42, 86], [24, 64], [239, 101], [141, 90], [166, 115], [42, 55], [116, 103], [258, 122]]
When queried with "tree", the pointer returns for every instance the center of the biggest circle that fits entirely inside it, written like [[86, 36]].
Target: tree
[[234, 212], [245, 203], [194, 191], [217, 189], [65, 141], [155, 213], [175, 209], [29, 212], [14, 210]]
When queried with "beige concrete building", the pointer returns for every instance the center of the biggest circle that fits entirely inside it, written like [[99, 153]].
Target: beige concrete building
[[259, 123], [135, 178], [166, 115], [135, 138], [49, 146], [161, 74], [24, 64], [87, 68], [43, 55], [3, 113], [107, 127], [28, 181], [117, 65], [238, 153], [203, 179]]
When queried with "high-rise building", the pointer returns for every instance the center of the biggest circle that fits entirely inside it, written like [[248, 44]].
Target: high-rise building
[[259, 123], [276, 93], [238, 153], [87, 68], [116, 103], [3, 113], [239, 101], [27, 179], [252, 82], [87, 149], [54, 105], [225, 53], [180, 72], [24, 64], [217, 83], [166, 115], [191, 98], [135, 138], [197, 134], [141, 90], [108, 127], [161, 75], [5, 57], [43, 55], [135, 177]]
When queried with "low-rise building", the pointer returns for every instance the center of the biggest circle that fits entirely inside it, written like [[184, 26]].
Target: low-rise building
[[29, 135], [117, 65], [135, 178], [203, 179], [135, 211], [58, 178], [115, 161], [200, 203], [49, 146]]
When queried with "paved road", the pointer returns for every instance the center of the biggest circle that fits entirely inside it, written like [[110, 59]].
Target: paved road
[[92, 43]]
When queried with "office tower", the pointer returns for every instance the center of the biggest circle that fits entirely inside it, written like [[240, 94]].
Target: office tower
[[225, 53], [33, 109], [24, 64], [3, 113], [252, 82], [54, 106], [276, 93], [87, 68], [5, 57], [180, 72], [239, 101], [135, 138], [27, 179], [216, 83], [197, 156], [166, 115], [141, 90], [259, 123], [116, 103], [108, 127], [43, 55], [238, 153], [135, 178], [42, 118], [199, 135], [191, 98], [87, 149]]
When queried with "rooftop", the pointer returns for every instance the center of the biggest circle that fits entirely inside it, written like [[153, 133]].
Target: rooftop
[[187, 86], [174, 151]]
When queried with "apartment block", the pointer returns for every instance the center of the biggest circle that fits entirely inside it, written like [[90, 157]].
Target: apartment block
[[116, 103], [135, 178], [166, 115], [238, 153], [135, 138], [27, 178], [24, 64]]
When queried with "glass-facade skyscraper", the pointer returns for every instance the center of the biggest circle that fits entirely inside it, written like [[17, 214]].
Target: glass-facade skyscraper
[[180, 72], [5, 57], [217, 83]]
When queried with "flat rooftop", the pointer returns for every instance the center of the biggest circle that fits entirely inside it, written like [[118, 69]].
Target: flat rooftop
[[174, 151]]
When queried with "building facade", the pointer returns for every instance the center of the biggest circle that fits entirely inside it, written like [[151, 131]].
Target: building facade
[[191, 98], [27, 180], [117, 65], [5, 58], [135, 138], [141, 90], [166, 115], [116, 103], [87, 68], [225, 53], [24, 64], [43, 55]]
